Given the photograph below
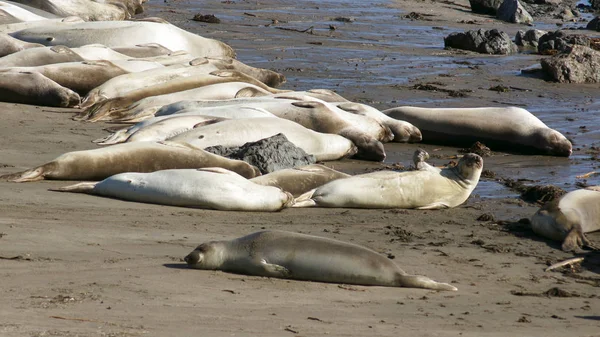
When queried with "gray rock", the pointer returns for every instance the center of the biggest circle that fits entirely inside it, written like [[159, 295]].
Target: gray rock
[[489, 7], [269, 154], [579, 65], [513, 11], [558, 42], [594, 24], [595, 4], [481, 41], [529, 38]]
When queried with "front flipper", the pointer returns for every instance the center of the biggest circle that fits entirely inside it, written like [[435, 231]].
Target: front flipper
[[275, 270], [435, 205]]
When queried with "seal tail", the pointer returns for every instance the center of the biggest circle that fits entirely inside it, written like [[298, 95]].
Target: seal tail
[[85, 187], [418, 281], [305, 200]]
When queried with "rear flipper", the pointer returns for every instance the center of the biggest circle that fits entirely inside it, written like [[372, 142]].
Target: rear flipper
[[418, 281], [305, 200], [576, 240], [85, 187], [33, 174]]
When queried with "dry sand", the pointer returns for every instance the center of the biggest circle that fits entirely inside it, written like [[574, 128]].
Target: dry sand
[[78, 265]]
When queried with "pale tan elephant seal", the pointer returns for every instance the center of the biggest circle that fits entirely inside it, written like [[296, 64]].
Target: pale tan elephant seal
[[40, 56], [305, 257], [86, 9], [300, 180], [509, 128], [420, 189], [36, 89], [567, 219], [209, 188], [101, 163]]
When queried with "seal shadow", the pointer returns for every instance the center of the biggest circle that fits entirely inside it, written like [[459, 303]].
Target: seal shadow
[[593, 318], [176, 265]]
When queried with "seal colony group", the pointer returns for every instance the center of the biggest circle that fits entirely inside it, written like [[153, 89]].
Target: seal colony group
[[187, 93]]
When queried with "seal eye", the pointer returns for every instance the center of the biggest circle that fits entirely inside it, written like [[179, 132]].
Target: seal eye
[[49, 39]]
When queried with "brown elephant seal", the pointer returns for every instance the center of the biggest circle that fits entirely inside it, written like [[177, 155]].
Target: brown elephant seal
[[207, 188], [305, 257], [36, 89], [101, 163], [420, 189], [300, 180], [568, 218], [40, 56], [10, 45], [512, 128], [80, 77]]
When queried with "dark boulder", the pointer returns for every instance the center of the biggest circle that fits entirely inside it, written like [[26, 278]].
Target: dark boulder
[[579, 65], [482, 41], [513, 11], [269, 154]]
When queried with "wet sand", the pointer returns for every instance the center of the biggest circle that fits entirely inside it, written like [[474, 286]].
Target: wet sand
[[79, 265]]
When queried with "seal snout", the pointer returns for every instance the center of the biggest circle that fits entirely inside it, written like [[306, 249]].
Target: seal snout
[[192, 258]]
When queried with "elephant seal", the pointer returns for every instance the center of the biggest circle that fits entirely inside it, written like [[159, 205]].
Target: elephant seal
[[210, 188], [567, 219], [15, 27], [500, 127], [123, 135], [86, 9], [305, 257], [101, 163], [300, 180], [10, 45], [40, 56], [18, 13], [97, 107], [237, 132], [420, 189], [69, 74], [36, 89], [266, 76], [147, 107], [121, 33]]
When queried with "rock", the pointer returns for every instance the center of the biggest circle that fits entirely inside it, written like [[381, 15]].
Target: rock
[[481, 41], [269, 154], [579, 65], [529, 38], [595, 4], [513, 11], [489, 7], [565, 14], [558, 42], [594, 24], [208, 18]]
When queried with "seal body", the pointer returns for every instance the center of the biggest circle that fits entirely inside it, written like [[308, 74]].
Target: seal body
[[10, 45], [211, 188], [299, 180], [422, 189], [568, 218], [305, 257], [500, 127], [100, 163], [237, 132], [40, 56]]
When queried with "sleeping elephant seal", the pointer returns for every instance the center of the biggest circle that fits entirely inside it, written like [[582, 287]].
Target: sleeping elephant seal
[[305, 257], [568, 218], [80, 77], [101, 163], [10, 45], [510, 128], [209, 188], [421, 189], [35, 89], [40, 56], [300, 180], [86, 9], [122, 33]]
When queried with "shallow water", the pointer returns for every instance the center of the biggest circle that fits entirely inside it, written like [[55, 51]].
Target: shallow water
[[382, 49]]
